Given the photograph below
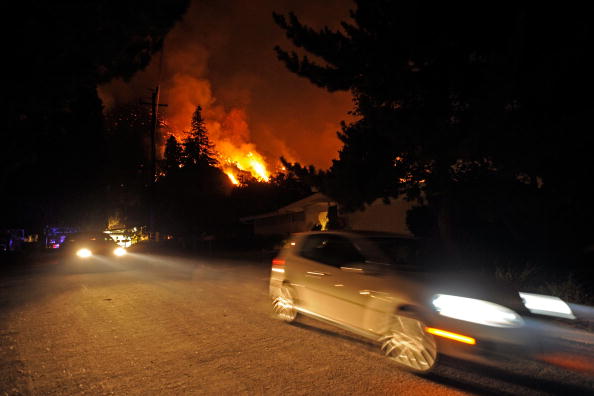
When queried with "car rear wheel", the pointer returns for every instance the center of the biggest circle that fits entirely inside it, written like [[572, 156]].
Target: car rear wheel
[[283, 305], [408, 344]]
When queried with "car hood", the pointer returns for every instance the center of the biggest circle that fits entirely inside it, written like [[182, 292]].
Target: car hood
[[93, 246]]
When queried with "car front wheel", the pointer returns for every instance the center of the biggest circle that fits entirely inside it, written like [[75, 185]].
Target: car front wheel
[[408, 344]]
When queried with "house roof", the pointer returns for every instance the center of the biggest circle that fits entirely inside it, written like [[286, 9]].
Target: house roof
[[300, 205], [295, 207]]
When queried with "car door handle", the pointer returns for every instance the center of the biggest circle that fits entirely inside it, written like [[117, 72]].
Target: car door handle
[[352, 269], [316, 273]]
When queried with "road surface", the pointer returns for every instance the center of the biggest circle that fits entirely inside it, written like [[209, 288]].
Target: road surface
[[182, 325]]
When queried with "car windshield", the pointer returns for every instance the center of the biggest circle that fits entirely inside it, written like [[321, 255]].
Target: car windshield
[[86, 237]]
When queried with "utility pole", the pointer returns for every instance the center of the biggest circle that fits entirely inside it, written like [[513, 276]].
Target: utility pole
[[153, 168]]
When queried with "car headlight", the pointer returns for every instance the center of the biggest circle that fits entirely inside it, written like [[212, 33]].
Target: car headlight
[[119, 251], [546, 305], [476, 311], [84, 253]]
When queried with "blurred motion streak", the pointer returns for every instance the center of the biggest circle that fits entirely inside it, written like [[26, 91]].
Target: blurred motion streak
[[476, 311], [546, 305], [564, 344], [569, 361]]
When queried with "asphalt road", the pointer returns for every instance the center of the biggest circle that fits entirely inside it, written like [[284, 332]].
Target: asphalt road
[[175, 325]]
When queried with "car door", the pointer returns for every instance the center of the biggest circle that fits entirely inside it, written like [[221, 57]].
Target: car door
[[346, 296], [360, 282], [308, 269], [328, 290]]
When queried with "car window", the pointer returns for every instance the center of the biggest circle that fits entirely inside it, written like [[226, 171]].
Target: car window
[[89, 237], [330, 249], [400, 251]]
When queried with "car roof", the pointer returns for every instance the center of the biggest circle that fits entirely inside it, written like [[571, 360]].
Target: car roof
[[88, 235]]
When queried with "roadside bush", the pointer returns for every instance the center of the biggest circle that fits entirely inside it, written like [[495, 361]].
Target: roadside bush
[[519, 276], [568, 290], [532, 278]]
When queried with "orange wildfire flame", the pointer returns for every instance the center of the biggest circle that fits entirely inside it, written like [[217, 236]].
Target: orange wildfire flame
[[235, 159], [251, 162], [230, 134], [232, 177]]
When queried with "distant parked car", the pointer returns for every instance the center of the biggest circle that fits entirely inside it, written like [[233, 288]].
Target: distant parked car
[[372, 284], [11, 240], [91, 245]]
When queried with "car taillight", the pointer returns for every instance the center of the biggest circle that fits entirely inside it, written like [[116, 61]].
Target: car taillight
[[278, 262], [278, 265]]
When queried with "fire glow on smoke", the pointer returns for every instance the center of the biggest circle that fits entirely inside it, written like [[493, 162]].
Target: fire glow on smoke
[[217, 58], [227, 127]]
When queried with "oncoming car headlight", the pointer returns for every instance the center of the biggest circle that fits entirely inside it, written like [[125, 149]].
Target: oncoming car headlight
[[84, 253], [119, 251], [476, 311]]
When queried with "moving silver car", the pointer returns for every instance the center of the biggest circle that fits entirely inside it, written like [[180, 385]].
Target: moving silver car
[[370, 284]]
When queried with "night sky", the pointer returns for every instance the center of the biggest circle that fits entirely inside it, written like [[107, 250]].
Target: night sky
[[221, 57]]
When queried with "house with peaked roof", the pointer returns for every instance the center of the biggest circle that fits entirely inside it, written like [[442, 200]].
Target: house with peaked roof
[[312, 213]]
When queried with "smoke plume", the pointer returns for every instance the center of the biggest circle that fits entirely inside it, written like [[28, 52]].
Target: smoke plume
[[220, 56]]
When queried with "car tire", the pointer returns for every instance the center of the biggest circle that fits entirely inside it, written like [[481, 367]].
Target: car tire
[[408, 344], [283, 305]]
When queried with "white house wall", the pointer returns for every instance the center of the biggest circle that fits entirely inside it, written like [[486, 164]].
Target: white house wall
[[381, 217]]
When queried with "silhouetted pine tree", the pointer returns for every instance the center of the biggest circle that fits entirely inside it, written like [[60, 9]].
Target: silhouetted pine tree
[[173, 155], [198, 150], [481, 114]]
